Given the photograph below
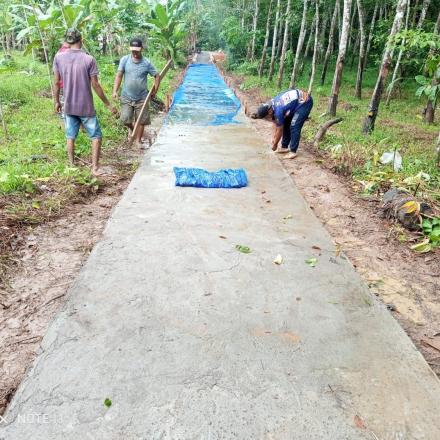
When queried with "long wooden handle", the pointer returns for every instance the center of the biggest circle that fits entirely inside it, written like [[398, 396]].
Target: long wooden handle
[[147, 100]]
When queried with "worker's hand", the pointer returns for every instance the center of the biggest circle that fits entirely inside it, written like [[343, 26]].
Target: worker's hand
[[274, 147], [153, 92], [114, 110], [115, 96], [58, 107]]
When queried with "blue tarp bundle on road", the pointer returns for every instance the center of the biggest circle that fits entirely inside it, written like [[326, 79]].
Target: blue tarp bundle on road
[[204, 98], [200, 178]]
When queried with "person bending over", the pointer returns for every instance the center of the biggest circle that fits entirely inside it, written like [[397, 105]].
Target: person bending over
[[288, 111]]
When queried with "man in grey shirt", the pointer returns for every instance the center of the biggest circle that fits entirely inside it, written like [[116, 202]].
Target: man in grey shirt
[[79, 73], [135, 70]]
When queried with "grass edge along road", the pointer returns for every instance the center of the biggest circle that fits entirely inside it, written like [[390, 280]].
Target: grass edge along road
[[36, 181]]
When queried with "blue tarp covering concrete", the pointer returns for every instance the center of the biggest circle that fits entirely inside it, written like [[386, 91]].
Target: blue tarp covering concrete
[[204, 98], [201, 178]]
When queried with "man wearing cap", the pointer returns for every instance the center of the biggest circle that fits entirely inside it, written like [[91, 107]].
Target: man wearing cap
[[288, 110], [79, 73], [134, 68]]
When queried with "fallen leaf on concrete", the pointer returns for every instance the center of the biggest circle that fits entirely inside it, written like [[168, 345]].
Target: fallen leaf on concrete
[[359, 422], [278, 260], [223, 237], [338, 249], [243, 249], [108, 402], [312, 262], [288, 217], [291, 337], [317, 248], [431, 343]]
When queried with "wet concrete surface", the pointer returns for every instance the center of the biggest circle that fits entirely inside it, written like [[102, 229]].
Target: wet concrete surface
[[191, 339]]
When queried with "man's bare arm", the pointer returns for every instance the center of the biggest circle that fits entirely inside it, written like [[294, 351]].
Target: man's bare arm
[[117, 83], [156, 85], [56, 92], [278, 133], [98, 90]]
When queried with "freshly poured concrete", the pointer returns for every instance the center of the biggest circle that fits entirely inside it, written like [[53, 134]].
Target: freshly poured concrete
[[191, 339]]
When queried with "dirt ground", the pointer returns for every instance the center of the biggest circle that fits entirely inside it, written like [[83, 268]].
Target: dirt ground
[[408, 283], [48, 259]]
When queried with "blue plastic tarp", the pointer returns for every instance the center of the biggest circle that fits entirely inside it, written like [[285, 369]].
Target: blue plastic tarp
[[200, 178], [203, 98]]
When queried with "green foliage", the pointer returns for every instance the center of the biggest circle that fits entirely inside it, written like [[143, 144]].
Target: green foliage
[[235, 38], [167, 28], [34, 154], [431, 230], [431, 91]]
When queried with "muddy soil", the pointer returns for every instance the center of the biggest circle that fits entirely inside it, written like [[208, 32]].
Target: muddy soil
[[47, 261], [407, 282]]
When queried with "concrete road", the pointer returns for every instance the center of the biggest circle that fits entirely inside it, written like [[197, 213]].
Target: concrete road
[[191, 339]]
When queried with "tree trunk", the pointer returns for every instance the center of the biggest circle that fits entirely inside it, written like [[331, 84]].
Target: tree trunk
[[425, 7], [274, 40], [353, 16], [3, 43], [355, 50], [266, 41], [430, 106], [331, 36], [315, 47], [284, 49], [299, 46], [321, 42], [339, 23], [243, 15], [370, 36], [280, 38], [309, 42], [254, 29], [337, 78], [399, 59], [415, 10], [360, 71], [384, 69]]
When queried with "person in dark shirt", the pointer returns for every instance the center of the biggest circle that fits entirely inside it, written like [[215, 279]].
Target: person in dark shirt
[[288, 110]]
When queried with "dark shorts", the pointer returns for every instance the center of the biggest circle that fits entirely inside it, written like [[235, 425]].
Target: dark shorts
[[130, 111]]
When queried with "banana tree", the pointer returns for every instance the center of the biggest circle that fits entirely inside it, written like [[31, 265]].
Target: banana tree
[[167, 27]]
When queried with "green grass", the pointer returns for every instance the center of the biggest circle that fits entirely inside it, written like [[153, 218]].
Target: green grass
[[399, 126], [35, 149]]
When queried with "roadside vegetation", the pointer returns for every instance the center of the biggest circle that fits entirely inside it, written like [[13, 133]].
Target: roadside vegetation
[[36, 181]]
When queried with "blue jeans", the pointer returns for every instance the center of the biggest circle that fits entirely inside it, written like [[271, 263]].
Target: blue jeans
[[293, 125], [91, 124]]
